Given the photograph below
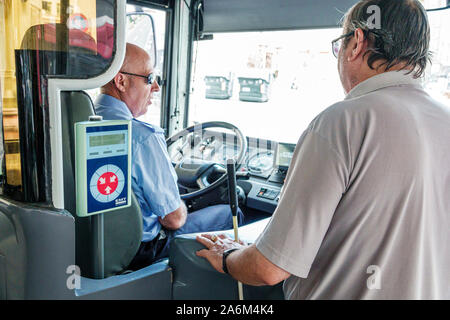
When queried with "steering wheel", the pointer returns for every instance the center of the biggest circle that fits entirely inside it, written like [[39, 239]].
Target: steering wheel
[[196, 173]]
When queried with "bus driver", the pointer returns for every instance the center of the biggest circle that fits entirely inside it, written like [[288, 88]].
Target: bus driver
[[154, 181]]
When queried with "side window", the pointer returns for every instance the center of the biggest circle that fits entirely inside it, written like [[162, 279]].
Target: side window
[[39, 40], [10, 163], [437, 78], [146, 28]]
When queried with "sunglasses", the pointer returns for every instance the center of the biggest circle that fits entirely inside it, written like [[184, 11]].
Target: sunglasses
[[150, 78]]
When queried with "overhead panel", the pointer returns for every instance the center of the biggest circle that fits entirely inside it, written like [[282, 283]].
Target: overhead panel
[[256, 15]]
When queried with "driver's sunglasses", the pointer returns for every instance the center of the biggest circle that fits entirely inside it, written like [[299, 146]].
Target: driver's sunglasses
[[337, 43], [150, 78]]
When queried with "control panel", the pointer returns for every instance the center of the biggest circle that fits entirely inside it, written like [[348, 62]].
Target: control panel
[[267, 193], [103, 166]]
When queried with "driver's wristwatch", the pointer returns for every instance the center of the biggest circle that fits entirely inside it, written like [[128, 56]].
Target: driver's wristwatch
[[225, 254]]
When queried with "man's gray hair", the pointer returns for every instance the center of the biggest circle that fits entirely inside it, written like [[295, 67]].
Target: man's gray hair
[[402, 34]]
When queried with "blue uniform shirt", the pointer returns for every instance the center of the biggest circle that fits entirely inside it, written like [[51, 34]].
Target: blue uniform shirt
[[154, 180]]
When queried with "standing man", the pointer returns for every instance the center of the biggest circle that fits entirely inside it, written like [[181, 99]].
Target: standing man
[[365, 211], [154, 181]]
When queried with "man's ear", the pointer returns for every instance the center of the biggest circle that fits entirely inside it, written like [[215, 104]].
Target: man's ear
[[357, 44], [121, 82]]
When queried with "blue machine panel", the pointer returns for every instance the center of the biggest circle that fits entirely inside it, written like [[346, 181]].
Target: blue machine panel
[[103, 166]]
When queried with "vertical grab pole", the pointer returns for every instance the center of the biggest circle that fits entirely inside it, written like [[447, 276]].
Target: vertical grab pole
[[231, 172], [98, 243], [98, 246]]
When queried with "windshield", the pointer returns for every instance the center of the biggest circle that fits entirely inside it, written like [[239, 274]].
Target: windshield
[[271, 85]]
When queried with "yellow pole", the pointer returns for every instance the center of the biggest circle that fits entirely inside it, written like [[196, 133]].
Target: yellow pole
[[236, 238]]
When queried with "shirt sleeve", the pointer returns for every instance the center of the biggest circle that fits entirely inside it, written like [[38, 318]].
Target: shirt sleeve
[[154, 177], [314, 186]]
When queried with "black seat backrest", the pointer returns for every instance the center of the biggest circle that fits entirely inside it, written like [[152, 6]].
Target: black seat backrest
[[123, 228], [73, 53]]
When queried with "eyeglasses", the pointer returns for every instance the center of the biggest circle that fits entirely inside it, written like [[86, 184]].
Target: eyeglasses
[[150, 78], [337, 43]]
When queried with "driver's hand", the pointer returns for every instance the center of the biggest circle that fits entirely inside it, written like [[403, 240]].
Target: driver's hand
[[216, 245]]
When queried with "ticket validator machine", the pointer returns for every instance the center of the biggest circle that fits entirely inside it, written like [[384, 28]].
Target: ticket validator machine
[[103, 175]]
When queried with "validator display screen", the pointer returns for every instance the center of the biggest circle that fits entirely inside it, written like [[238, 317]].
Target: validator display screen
[[106, 140]]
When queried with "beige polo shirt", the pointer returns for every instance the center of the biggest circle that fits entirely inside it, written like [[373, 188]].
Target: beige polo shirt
[[365, 209]]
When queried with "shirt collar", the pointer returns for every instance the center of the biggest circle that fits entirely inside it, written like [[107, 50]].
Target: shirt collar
[[111, 108], [383, 80]]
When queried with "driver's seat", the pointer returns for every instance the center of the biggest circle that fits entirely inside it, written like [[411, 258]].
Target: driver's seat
[[123, 227]]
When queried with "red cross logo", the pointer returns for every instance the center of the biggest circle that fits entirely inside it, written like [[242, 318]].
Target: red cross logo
[[107, 183]]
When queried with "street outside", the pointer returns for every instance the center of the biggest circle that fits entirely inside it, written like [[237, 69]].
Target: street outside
[[283, 118], [303, 80]]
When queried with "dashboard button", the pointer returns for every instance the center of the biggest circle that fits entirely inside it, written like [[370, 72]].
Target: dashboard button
[[262, 192], [272, 195]]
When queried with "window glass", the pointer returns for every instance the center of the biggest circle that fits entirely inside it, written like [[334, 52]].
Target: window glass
[[137, 33], [141, 31], [437, 78], [63, 38], [272, 84], [77, 41], [268, 84], [434, 4]]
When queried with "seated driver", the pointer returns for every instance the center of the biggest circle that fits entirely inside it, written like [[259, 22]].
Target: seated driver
[[154, 181]]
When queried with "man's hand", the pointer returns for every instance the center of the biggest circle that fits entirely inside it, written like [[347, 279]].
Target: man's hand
[[248, 265], [216, 245]]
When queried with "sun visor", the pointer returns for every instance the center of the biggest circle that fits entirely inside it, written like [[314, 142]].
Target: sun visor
[[257, 15]]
